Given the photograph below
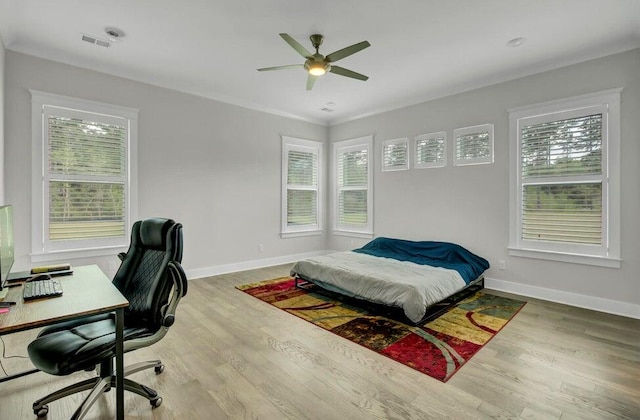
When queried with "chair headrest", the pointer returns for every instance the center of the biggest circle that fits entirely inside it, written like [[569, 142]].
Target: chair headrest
[[153, 232]]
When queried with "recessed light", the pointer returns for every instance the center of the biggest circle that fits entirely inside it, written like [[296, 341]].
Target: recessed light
[[516, 42]]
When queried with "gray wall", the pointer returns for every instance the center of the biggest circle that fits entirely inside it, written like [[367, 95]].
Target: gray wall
[[213, 167], [2, 101], [216, 168], [470, 205]]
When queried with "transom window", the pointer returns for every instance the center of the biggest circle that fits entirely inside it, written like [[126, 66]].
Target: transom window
[[431, 150], [395, 155], [473, 145]]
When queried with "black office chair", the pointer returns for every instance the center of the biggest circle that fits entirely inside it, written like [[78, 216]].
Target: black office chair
[[153, 281]]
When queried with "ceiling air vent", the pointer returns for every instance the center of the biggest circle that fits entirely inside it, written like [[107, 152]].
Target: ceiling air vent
[[97, 41]]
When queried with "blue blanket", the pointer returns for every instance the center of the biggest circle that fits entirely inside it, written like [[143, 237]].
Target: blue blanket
[[436, 254]]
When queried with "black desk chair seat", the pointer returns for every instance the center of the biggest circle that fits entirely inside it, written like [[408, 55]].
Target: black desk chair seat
[[152, 279]]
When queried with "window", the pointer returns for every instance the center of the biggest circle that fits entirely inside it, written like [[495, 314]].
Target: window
[[566, 191], [84, 182], [431, 150], [353, 195], [301, 195], [474, 145], [395, 155]]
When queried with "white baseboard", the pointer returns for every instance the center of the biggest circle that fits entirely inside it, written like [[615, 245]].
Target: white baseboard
[[249, 265], [582, 301]]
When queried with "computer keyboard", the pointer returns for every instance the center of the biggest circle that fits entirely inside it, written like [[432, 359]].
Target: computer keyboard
[[36, 289]]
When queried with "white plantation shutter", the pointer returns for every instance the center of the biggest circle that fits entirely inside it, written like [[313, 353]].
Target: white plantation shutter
[[431, 150], [353, 189], [86, 177], [473, 145], [562, 180], [395, 155], [84, 161], [565, 180], [301, 185]]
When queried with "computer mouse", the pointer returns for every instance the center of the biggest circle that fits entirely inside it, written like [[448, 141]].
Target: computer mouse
[[41, 276]]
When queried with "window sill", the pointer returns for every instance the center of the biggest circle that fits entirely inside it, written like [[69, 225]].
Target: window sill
[[353, 234], [76, 253], [301, 233], [595, 260]]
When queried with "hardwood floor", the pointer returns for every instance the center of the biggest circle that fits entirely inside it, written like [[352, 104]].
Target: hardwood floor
[[230, 356]]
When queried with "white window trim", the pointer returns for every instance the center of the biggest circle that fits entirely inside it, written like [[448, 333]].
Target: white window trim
[[292, 143], [386, 143], [472, 130], [608, 255], [345, 146], [93, 249], [436, 164]]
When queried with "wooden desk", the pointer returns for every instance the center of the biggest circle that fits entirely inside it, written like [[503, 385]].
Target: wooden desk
[[86, 292]]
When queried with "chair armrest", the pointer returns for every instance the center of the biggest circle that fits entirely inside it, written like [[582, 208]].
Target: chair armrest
[[179, 278], [121, 255]]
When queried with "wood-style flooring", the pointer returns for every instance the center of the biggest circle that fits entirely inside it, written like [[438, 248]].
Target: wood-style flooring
[[231, 356]]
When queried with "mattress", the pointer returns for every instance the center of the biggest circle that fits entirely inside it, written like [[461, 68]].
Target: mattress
[[405, 274]]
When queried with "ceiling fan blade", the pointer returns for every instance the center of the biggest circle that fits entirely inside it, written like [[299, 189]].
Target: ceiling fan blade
[[296, 46], [310, 81], [348, 73], [346, 52], [289, 66]]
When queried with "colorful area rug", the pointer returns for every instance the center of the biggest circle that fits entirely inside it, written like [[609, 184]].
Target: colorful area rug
[[437, 348]]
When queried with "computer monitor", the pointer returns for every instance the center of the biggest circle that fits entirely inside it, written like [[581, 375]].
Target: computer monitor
[[6, 243]]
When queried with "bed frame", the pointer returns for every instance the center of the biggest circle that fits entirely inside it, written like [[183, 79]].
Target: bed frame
[[395, 313]]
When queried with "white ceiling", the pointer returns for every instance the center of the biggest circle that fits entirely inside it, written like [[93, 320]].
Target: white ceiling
[[420, 49]]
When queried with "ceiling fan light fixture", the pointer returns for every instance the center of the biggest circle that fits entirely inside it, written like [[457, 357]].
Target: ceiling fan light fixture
[[317, 69]]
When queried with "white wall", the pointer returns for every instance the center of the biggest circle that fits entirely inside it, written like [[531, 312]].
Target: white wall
[[469, 205], [211, 166]]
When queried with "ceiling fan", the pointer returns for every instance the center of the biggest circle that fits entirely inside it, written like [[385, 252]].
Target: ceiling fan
[[317, 64]]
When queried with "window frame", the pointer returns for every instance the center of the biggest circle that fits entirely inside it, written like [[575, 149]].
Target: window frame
[[395, 142], [608, 253], [476, 129], [430, 136], [293, 143], [41, 248], [345, 146]]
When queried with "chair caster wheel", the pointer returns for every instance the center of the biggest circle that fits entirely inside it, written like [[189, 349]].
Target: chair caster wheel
[[156, 402], [159, 369], [42, 412]]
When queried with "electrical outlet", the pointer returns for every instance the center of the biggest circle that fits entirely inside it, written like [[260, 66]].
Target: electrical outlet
[[260, 248], [502, 265]]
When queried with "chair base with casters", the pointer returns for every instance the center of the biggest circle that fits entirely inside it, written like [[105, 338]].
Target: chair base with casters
[[153, 281], [102, 384]]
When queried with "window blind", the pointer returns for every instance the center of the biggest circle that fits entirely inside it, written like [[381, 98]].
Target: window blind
[[353, 173], [86, 178], [395, 155], [431, 150], [473, 146], [562, 179], [302, 188]]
